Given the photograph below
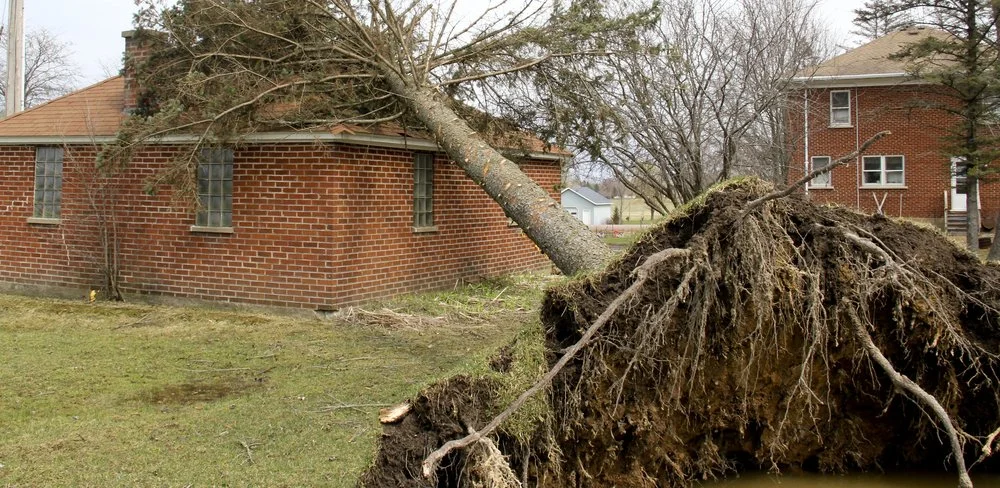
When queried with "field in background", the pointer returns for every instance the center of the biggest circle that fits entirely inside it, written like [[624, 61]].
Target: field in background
[[635, 211], [135, 395]]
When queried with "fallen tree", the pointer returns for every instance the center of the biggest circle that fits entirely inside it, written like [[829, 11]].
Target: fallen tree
[[768, 336]]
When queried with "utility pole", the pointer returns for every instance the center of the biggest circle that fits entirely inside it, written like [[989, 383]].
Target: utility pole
[[15, 58]]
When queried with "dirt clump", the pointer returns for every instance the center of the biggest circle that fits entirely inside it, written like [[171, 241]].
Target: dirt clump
[[777, 336]]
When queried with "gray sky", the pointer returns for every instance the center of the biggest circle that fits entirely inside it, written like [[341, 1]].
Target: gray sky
[[93, 28]]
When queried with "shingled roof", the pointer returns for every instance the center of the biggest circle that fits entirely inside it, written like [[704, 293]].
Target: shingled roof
[[870, 61], [94, 114], [93, 111]]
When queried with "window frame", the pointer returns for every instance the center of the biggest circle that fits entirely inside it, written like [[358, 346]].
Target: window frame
[[835, 109], [47, 192], [423, 192], [883, 171], [828, 176], [214, 189]]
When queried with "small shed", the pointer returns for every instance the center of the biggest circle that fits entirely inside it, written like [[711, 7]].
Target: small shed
[[587, 205]]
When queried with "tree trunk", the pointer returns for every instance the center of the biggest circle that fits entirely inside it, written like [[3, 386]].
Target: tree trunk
[[567, 241], [995, 247], [972, 215]]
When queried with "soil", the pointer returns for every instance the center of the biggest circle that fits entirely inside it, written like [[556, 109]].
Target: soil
[[745, 355]]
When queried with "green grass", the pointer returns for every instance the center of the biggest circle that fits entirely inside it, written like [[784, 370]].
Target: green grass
[[123, 395], [623, 241], [635, 211]]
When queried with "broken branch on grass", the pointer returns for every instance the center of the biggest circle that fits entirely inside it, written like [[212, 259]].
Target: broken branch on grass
[[813, 174], [642, 273], [248, 447], [917, 393]]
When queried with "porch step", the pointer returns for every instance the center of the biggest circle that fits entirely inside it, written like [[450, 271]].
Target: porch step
[[956, 222]]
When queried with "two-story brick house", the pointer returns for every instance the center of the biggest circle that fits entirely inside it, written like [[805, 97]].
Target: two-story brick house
[[837, 105]]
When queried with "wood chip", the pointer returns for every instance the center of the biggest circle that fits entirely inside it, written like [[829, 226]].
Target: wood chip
[[392, 415]]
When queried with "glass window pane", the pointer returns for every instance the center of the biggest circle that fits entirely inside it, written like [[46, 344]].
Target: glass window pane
[[840, 99], [203, 187], [202, 171], [872, 178], [894, 163], [227, 188], [216, 172], [227, 203], [229, 170], [894, 177], [216, 187], [840, 116], [227, 219], [214, 219], [201, 218], [872, 163], [216, 204]]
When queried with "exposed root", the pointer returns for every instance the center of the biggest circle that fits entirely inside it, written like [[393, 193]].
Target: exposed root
[[919, 395], [431, 462], [486, 467], [776, 339], [748, 356]]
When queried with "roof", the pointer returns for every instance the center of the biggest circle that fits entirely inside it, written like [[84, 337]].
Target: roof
[[95, 113], [871, 61], [589, 195], [96, 110]]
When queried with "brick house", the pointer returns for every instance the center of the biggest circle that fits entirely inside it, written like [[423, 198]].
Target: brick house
[[298, 219], [837, 105]]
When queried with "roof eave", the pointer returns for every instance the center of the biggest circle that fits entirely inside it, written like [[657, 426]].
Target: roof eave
[[395, 142], [870, 79]]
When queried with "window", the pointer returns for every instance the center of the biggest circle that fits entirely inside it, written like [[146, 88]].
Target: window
[[423, 190], [882, 171], [215, 188], [824, 180], [48, 182], [840, 108]]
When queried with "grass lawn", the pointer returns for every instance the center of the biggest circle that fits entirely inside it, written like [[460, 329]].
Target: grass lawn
[[123, 395], [635, 211]]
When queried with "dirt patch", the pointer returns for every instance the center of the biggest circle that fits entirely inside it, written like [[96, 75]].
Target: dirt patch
[[748, 349], [502, 361], [199, 391], [443, 412]]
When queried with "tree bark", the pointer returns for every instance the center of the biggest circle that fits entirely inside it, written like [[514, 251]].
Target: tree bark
[[972, 215], [567, 241], [995, 247]]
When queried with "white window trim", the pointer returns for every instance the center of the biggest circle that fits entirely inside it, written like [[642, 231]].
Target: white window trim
[[882, 171], [829, 174], [848, 108]]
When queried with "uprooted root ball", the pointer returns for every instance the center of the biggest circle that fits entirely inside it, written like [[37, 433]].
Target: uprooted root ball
[[749, 351], [755, 347]]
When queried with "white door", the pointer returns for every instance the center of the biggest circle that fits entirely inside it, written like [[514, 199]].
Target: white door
[[959, 186], [587, 217]]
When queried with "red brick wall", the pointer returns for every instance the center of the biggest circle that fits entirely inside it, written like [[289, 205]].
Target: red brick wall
[[917, 134], [315, 225]]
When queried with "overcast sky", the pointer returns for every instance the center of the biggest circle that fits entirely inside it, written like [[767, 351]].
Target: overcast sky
[[93, 28]]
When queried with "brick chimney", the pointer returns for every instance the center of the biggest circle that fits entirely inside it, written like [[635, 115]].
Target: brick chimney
[[135, 55]]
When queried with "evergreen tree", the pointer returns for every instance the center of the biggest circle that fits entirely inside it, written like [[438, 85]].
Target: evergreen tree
[[961, 63], [878, 18]]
